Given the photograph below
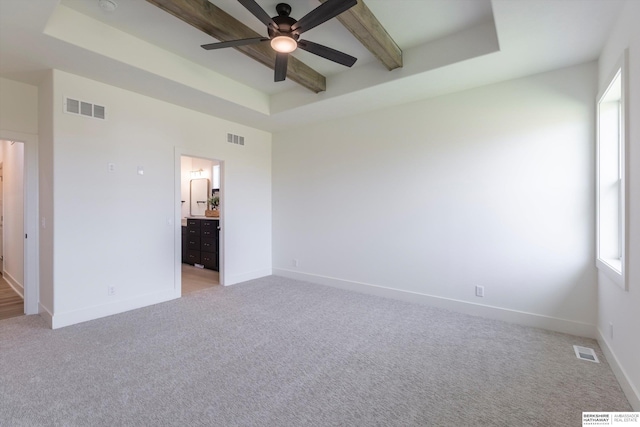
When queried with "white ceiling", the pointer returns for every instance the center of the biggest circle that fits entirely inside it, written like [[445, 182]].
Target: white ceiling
[[448, 45]]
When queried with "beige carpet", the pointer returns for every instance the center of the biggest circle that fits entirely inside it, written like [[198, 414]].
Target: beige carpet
[[277, 352]]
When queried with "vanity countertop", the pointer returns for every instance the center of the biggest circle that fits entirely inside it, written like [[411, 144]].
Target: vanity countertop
[[184, 220]]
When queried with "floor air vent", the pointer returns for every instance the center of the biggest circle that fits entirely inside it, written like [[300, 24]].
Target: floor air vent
[[585, 353], [82, 108]]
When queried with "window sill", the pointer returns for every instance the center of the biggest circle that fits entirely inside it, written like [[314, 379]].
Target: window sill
[[612, 268]]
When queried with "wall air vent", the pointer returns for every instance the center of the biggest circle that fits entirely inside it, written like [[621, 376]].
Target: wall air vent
[[86, 109], [585, 353], [73, 106], [235, 139], [98, 112], [82, 108]]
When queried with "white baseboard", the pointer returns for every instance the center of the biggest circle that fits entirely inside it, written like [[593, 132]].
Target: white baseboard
[[239, 278], [498, 313], [633, 396], [60, 320], [15, 285], [45, 313]]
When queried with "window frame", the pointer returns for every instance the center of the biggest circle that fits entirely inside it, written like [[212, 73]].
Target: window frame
[[620, 277]]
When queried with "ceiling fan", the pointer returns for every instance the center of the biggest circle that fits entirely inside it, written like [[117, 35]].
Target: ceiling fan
[[284, 33]]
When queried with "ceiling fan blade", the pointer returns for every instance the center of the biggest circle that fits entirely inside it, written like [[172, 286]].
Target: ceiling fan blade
[[259, 13], [281, 67], [327, 53], [321, 14], [234, 43]]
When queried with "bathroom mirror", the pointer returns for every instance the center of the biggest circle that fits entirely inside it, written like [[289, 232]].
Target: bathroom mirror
[[199, 194]]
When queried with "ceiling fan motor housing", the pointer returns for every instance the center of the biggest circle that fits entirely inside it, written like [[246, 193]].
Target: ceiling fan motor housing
[[284, 22], [285, 31]]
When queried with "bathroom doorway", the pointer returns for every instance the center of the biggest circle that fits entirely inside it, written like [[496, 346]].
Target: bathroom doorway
[[200, 215]]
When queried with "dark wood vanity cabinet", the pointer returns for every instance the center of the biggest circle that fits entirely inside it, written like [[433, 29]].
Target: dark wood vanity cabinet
[[202, 242]]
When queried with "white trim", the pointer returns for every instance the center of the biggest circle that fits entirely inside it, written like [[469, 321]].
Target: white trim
[[177, 219], [513, 316], [31, 244], [632, 394], [250, 275], [46, 314], [60, 320], [13, 283], [621, 277], [610, 271]]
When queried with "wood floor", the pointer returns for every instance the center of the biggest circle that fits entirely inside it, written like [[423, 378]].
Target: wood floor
[[193, 279], [11, 304], [197, 279]]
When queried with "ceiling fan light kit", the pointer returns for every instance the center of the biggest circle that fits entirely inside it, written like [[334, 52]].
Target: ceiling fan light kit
[[284, 33], [283, 44]]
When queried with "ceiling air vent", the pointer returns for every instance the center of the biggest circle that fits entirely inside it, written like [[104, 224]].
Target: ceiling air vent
[[235, 139], [82, 108], [585, 353]]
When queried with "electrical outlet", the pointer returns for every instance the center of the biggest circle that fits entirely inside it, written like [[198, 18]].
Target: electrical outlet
[[294, 262], [479, 291], [111, 167], [111, 290]]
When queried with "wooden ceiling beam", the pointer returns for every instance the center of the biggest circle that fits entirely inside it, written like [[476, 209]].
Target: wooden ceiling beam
[[363, 24], [212, 20]]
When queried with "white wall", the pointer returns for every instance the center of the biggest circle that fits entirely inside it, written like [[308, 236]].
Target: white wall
[[492, 186], [18, 106], [46, 195], [19, 122], [119, 229], [13, 213], [18, 113], [186, 163], [616, 306]]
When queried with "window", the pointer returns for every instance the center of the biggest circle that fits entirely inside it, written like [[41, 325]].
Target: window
[[612, 244]]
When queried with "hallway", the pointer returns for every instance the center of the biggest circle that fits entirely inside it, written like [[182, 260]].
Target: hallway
[[11, 304]]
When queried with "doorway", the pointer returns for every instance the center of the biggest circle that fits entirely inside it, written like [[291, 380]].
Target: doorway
[[31, 253], [1, 216], [200, 191], [12, 229]]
